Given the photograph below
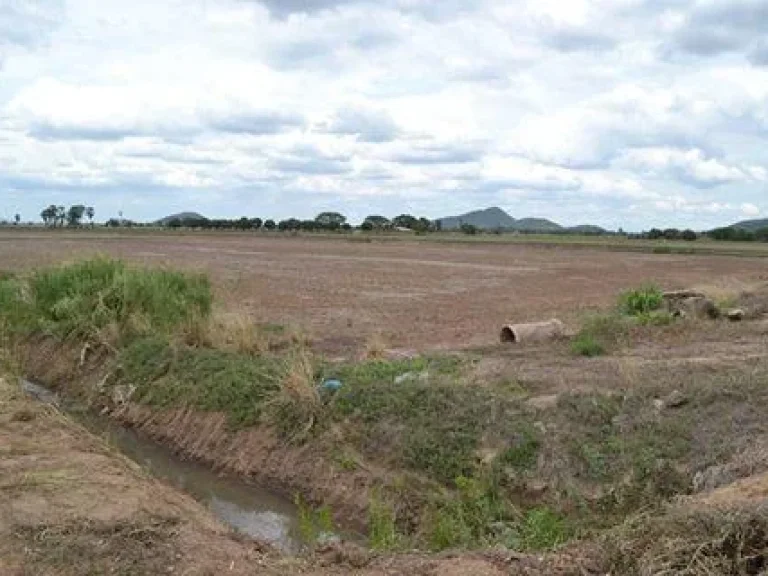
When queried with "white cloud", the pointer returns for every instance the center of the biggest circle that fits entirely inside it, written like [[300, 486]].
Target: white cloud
[[749, 209], [567, 110]]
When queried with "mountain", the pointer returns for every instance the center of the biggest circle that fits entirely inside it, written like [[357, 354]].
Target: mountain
[[489, 219], [496, 219], [536, 225], [181, 216], [751, 225]]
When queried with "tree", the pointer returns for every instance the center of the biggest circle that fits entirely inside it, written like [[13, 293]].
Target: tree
[[655, 234], [90, 212], [75, 215], [17, 219], [375, 222], [61, 215], [689, 235], [330, 220], [366, 226], [270, 224], [256, 223], [469, 229], [405, 221]]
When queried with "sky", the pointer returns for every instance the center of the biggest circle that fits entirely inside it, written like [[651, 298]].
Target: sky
[[622, 113]]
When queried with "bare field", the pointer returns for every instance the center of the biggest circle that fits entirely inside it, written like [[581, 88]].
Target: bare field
[[410, 294]]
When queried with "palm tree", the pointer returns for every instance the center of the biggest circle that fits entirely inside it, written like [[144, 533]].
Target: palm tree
[[90, 212], [61, 215], [17, 219]]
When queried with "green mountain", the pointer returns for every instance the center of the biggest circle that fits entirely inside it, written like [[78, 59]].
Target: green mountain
[[496, 219], [751, 225]]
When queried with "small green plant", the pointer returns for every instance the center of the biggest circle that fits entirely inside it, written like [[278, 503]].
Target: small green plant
[[655, 318], [523, 453], [586, 344], [314, 523], [542, 529], [382, 530], [643, 300]]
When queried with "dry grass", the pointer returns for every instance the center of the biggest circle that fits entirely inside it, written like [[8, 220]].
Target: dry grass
[[691, 542], [375, 347]]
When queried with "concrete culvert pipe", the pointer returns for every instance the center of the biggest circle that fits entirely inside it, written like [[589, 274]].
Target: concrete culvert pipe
[[533, 332]]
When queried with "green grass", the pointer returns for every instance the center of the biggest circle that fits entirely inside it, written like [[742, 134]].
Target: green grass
[[79, 300], [640, 301], [213, 380], [382, 530], [586, 344], [430, 426]]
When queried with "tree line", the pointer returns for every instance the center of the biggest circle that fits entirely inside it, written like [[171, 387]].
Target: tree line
[[57, 216], [325, 221]]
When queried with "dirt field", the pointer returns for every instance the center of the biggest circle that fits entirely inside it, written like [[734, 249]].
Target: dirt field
[[412, 294]]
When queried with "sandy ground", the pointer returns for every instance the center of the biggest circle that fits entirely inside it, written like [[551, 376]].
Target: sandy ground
[[416, 295]]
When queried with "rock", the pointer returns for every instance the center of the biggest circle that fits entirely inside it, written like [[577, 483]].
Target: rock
[[676, 399], [658, 404], [693, 307], [735, 315]]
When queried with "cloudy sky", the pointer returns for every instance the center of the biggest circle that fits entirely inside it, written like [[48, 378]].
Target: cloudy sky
[[617, 112]]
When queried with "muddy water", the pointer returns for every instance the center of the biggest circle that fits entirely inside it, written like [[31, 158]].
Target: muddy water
[[246, 508]]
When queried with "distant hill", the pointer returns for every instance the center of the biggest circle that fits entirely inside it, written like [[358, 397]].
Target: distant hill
[[536, 225], [489, 219], [180, 216], [496, 219], [751, 225]]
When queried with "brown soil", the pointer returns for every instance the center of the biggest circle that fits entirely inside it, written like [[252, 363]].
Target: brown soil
[[413, 294]]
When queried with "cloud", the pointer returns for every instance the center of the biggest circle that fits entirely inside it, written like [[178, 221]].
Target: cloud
[[749, 209], [285, 8], [692, 166], [712, 28], [369, 125], [628, 112]]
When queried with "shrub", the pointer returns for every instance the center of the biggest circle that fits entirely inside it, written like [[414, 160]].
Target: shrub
[[383, 533], [642, 300], [542, 529], [585, 344]]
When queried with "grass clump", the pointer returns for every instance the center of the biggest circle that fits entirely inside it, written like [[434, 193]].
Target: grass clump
[[600, 333], [586, 344], [314, 523], [542, 529], [212, 380], [382, 530], [641, 301], [431, 427], [82, 299]]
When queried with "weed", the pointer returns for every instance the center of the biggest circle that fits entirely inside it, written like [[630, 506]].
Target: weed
[[314, 523], [298, 406], [542, 529], [237, 384], [585, 344], [383, 535], [523, 453], [600, 333], [643, 300], [81, 299], [655, 318]]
